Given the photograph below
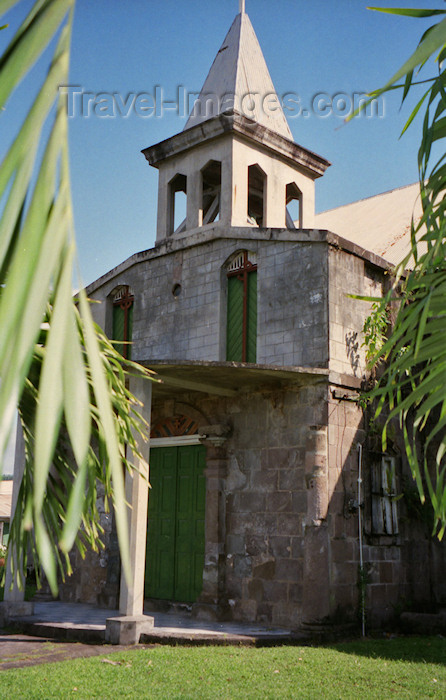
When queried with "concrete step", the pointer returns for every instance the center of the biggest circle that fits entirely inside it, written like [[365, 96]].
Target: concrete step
[[424, 623]]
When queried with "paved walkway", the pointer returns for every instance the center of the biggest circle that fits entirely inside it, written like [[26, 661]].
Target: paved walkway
[[20, 650], [86, 623]]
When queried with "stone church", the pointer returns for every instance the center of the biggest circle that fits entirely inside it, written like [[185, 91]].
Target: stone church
[[270, 499]]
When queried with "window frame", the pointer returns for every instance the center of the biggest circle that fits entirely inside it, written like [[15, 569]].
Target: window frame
[[242, 269], [123, 299], [384, 515]]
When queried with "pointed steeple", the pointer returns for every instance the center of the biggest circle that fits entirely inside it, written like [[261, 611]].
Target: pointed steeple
[[235, 163], [239, 79]]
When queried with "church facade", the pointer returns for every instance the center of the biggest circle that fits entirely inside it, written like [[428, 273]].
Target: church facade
[[271, 500]]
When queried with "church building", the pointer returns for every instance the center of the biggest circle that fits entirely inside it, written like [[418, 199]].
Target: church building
[[270, 499]]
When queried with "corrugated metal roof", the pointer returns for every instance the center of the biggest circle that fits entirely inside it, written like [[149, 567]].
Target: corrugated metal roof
[[5, 499], [239, 69], [380, 224]]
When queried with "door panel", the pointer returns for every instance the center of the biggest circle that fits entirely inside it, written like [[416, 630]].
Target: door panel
[[176, 533]]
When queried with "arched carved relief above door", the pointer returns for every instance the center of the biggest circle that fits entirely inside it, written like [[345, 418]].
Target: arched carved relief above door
[[176, 426]]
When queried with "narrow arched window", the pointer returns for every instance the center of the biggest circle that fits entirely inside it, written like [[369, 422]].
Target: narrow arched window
[[256, 195], [241, 330], [123, 320], [211, 192], [177, 205], [293, 206]]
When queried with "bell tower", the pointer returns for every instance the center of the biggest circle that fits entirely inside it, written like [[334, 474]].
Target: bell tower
[[235, 164]]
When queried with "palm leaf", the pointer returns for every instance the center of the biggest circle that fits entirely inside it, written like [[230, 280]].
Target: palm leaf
[[55, 364], [413, 384]]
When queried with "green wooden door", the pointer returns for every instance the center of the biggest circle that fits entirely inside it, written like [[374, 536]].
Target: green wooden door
[[175, 532]]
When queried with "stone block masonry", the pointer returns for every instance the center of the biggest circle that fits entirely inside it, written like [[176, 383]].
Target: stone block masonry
[[261, 521]]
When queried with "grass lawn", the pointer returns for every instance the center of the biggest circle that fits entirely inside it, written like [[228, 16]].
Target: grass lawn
[[396, 668]]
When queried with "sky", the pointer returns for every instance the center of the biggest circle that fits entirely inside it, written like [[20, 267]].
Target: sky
[[332, 50]]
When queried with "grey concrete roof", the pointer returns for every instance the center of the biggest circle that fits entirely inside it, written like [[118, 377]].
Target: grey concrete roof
[[226, 378], [239, 69], [380, 224], [5, 499]]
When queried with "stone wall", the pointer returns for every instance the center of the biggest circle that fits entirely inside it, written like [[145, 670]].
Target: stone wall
[[402, 571], [350, 274], [96, 577], [282, 537], [257, 497], [345, 432], [292, 297]]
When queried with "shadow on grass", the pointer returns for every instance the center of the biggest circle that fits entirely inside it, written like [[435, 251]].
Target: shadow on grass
[[431, 650]]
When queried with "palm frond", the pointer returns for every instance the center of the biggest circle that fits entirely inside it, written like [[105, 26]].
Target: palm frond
[[68, 381], [413, 384]]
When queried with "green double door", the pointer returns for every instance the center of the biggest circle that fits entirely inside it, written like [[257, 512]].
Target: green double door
[[176, 523]]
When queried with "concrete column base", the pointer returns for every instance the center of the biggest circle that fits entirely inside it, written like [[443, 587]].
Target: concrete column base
[[127, 629], [12, 609]]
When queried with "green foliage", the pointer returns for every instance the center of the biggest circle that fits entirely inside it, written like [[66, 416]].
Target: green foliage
[[416, 510], [413, 384], [55, 365], [375, 328]]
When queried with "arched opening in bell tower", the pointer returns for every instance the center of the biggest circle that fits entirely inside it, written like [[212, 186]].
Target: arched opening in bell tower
[[256, 195]]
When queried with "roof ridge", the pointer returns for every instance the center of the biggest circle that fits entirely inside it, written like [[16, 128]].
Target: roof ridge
[[364, 199]]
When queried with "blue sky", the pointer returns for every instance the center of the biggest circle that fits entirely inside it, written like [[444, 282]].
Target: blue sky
[[318, 47]]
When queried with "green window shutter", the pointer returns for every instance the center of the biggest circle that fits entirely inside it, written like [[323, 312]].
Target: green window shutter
[[129, 332], [118, 333], [251, 321], [235, 321], [118, 327], [234, 332]]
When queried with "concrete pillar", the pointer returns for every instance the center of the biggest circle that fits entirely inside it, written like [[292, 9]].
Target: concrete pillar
[[226, 192], [275, 202], [239, 215], [15, 594], [308, 205], [163, 207], [136, 487], [14, 604], [128, 627], [193, 200]]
